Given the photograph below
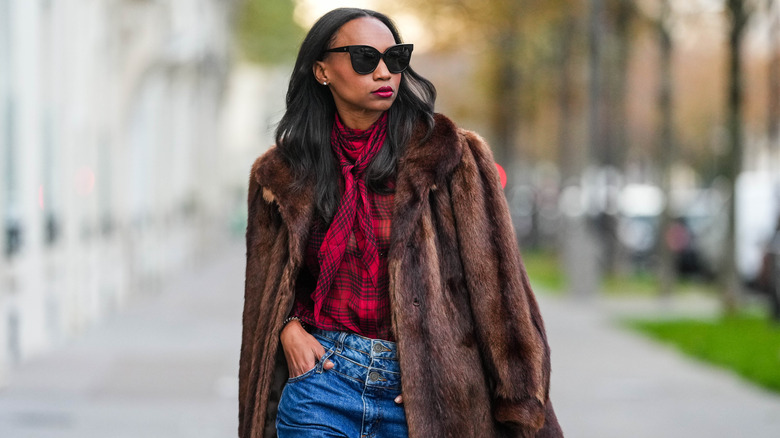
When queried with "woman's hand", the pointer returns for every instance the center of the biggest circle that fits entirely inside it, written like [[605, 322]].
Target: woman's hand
[[301, 349]]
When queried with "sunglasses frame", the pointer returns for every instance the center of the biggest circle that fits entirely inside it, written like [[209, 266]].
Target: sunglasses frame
[[350, 49]]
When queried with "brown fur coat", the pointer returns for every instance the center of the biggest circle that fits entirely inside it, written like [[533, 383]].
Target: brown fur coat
[[472, 346]]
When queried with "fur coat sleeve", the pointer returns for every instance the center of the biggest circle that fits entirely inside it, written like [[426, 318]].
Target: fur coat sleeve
[[274, 239], [262, 224], [507, 321]]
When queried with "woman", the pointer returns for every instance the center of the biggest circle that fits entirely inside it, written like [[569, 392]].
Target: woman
[[385, 295]]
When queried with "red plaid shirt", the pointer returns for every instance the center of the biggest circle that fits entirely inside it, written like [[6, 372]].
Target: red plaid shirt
[[352, 304], [350, 291]]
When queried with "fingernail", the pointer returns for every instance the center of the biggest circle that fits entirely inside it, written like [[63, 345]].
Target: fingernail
[[398, 399]]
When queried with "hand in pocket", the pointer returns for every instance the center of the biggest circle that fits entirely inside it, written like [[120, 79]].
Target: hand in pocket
[[301, 349]]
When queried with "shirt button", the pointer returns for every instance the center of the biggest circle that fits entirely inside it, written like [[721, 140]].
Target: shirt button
[[373, 376]]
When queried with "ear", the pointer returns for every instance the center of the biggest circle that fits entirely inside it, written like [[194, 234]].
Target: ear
[[320, 71]]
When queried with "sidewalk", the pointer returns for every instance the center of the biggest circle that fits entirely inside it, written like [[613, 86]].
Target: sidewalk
[[608, 382], [166, 367]]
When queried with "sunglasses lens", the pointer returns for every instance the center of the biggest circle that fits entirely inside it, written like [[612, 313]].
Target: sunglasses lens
[[397, 58], [364, 59]]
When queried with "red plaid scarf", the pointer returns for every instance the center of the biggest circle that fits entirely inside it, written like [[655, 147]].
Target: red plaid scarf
[[355, 150]]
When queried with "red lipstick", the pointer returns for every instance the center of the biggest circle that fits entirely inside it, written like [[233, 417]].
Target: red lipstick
[[383, 92]]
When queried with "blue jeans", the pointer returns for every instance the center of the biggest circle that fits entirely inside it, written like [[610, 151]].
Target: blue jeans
[[353, 399]]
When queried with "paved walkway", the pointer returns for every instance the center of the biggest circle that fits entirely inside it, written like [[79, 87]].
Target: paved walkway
[[166, 367], [611, 383]]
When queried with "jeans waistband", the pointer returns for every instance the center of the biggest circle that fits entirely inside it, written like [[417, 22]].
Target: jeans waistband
[[378, 348]]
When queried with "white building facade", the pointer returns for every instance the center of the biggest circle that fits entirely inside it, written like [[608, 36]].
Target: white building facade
[[109, 151]]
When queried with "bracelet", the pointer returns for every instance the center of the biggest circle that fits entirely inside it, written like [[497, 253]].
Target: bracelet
[[290, 318]]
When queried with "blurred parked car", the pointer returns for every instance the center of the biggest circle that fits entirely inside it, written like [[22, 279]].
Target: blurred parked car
[[639, 210], [698, 231], [757, 209], [702, 213], [695, 234]]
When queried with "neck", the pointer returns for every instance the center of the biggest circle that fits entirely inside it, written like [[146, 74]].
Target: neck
[[361, 120]]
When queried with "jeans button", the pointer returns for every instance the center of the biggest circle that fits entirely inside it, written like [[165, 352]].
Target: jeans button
[[373, 376], [377, 348]]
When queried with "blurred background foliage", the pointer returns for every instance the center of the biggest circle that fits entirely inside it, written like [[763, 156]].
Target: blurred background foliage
[[266, 32]]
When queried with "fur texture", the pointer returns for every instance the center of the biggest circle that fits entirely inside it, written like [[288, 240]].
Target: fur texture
[[473, 350]]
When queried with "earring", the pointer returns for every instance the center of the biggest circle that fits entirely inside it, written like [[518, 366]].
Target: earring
[[324, 82]]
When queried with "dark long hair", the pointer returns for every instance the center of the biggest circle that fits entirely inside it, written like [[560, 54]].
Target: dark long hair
[[303, 134]]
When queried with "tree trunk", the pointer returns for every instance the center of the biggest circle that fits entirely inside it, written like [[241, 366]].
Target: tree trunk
[[595, 44], [773, 113], [581, 244], [614, 116], [601, 225], [616, 113], [506, 89], [730, 282], [666, 265], [569, 159], [773, 137]]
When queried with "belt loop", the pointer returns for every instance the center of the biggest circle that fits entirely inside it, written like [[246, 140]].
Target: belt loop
[[340, 342]]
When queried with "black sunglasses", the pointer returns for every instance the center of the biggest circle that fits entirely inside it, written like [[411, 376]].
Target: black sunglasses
[[365, 59]]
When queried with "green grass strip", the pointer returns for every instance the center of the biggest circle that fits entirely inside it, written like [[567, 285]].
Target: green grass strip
[[746, 344], [544, 271]]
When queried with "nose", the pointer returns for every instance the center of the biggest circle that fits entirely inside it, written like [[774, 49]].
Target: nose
[[381, 72]]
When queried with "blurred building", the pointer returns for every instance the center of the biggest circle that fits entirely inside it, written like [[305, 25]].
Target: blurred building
[[109, 156]]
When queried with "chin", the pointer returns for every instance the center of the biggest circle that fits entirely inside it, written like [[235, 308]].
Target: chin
[[383, 106]]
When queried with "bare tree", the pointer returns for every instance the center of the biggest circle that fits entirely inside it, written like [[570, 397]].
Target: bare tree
[[773, 113], [621, 16], [739, 15], [568, 159], [618, 21], [507, 86], [666, 155], [595, 47], [773, 136]]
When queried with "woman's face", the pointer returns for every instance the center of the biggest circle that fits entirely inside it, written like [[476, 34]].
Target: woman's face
[[360, 99]]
